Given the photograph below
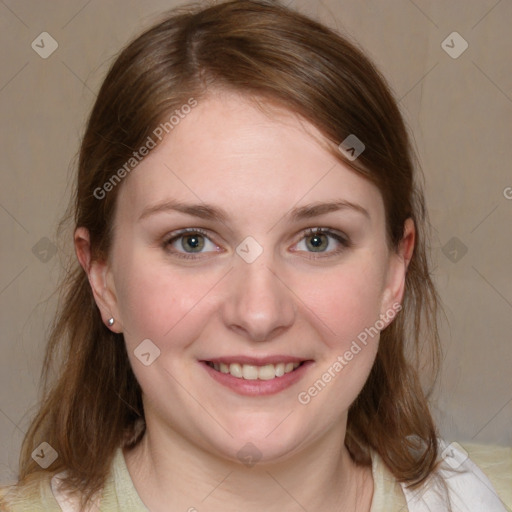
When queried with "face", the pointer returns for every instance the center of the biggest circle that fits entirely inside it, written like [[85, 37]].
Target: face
[[254, 262]]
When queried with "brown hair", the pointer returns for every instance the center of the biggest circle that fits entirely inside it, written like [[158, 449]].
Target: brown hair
[[267, 51]]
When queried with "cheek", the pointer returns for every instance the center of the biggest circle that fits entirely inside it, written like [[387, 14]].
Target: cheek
[[346, 301], [156, 303], [347, 307]]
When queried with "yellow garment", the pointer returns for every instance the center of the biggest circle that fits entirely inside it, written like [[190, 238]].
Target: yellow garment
[[496, 463], [119, 494]]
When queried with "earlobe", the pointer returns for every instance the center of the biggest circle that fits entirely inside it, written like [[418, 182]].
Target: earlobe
[[97, 272]]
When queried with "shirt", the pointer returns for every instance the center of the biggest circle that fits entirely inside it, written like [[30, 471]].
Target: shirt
[[119, 493]]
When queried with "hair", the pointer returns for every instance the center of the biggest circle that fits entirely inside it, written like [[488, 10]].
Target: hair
[[272, 53]]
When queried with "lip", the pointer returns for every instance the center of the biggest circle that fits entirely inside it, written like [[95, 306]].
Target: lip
[[258, 387]]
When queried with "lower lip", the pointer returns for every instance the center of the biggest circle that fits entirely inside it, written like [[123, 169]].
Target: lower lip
[[258, 387]]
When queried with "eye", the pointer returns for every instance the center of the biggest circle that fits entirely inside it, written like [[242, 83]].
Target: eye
[[188, 242], [323, 240]]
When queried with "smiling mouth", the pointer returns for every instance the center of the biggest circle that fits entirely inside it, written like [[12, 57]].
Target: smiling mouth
[[253, 372]]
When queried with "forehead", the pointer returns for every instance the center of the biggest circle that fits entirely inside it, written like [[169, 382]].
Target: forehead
[[227, 151]]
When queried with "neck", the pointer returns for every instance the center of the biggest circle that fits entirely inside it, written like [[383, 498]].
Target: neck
[[172, 474]]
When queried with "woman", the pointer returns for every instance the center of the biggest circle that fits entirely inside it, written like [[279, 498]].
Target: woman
[[252, 301]]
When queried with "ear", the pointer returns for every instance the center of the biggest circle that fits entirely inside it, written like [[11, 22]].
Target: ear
[[397, 269], [100, 279]]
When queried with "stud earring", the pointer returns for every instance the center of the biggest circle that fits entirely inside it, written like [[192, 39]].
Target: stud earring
[[111, 322]]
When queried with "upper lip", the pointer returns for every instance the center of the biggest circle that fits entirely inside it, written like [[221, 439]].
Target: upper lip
[[257, 361]]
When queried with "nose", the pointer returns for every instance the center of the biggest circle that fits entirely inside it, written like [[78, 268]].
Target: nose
[[258, 304]]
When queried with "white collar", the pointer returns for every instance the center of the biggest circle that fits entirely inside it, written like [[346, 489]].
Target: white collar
[[467, 488]]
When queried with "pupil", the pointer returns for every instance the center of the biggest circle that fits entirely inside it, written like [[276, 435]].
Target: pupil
[[316, 241], [194, 242]]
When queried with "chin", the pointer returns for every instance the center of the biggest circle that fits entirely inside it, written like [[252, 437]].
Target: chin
[[260, 443]]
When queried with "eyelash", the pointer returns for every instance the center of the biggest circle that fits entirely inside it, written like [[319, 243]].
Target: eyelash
[[341, 239]]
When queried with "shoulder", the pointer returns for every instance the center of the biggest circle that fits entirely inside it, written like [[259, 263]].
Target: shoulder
[[496, 463], [44, 493], [33, 496], [471, 478]]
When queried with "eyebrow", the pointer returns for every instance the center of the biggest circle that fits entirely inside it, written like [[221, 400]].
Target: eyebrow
[[209, 212]]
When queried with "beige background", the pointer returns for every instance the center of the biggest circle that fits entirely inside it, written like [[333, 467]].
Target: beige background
[[460, 111]]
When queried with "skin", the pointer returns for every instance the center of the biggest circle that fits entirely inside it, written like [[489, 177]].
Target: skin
[[230, 154]]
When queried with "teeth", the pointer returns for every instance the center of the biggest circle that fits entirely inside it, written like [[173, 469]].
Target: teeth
[[253, 372], [267, 372], [249, 372], [236, 370]]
